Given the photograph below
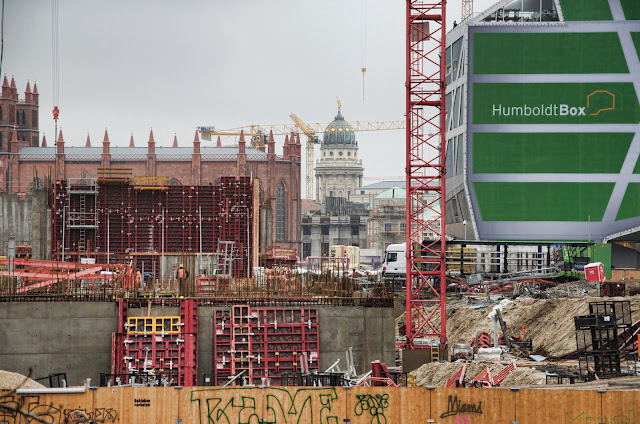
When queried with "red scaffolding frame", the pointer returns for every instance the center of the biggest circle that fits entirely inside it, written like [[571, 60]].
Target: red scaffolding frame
[[425, 168]]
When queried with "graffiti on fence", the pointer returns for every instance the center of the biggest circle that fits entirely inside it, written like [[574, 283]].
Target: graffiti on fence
[[455, 407], [374, 405], [583, 418], [241, 405], [33, 405]]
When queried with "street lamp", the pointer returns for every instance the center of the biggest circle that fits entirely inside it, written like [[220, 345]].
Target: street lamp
[[465, 228]]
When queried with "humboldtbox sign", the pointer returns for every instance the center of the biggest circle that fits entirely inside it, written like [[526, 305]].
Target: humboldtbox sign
[[555, 103], [542, 110]]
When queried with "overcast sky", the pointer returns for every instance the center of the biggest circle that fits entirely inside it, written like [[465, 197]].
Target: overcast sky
[[174, 65]]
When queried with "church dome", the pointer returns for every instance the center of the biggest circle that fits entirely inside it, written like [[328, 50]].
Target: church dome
[[339, 132]]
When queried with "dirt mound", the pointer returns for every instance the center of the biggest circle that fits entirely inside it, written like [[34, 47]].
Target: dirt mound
[[436, 374], [11, 380], [549, 322]]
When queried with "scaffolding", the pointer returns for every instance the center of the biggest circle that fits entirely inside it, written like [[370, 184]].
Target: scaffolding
[[119, 219]]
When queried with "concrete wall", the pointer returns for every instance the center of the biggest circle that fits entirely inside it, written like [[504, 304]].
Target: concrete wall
[[76, 337], [27, 220], [70, 337]]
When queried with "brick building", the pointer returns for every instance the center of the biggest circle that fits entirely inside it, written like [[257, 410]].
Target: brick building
[[19, 118], [24, 164]]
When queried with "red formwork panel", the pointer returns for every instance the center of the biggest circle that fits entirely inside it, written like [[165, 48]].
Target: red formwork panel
[[123, 313], [264, 343], [117, 361], [174, 355], [188, 370], [189, 316]]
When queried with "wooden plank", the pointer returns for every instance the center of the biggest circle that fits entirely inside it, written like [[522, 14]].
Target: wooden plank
[[620, 407], [472, 406], [557, 406]]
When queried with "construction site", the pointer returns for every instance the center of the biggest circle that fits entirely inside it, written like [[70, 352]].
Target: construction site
[[249, 281]]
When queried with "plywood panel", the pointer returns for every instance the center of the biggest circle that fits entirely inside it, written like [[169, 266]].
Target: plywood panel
[[620, 407], [536, 406], [472, 406], [366, 405]]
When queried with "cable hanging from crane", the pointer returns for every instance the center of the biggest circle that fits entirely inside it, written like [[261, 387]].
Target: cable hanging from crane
[[55, 64], [1, 37], [363, 42]]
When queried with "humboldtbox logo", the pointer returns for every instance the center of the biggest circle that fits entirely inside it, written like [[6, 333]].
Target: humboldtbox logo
[[555, 103], [598, 101]]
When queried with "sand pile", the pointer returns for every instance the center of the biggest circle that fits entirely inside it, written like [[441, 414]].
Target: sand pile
[[11, 380], [436, 374]]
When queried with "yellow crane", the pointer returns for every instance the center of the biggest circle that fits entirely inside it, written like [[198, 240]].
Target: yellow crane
[[312, 139], [309, 129]]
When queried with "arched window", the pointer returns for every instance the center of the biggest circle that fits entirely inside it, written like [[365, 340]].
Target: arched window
[[280, 212], [0, 113]]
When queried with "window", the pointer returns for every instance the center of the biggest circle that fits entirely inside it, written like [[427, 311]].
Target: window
[[34, 119], [456, 108], [348, 153], [449, 158], [306, 230], [306, 250], [361, 191], [324, 230], [339, 153], [280, 212], [403, 226], [391, 257], [387, 226], [330, 153], [459, 158]]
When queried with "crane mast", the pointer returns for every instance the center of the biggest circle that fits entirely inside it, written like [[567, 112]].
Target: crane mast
[[425, 168]]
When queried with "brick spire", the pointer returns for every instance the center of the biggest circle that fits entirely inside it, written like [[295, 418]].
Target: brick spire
[[271, 144], [60, 143], [151, 144], [14, 89], [196, 143], [6, 90], [285, 148], [27, 94], [261, 145], [242, 144], [35, 95], [131, 141], [175, 140], [44, 140], [218, 143], [106, 144], [88, 142]]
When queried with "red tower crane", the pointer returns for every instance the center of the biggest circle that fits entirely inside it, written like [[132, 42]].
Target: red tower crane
[[425, 169]]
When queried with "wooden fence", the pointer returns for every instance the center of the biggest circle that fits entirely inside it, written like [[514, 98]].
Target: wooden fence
[[327, 405]]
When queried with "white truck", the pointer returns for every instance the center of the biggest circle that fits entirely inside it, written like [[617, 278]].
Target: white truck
[[394, 264]]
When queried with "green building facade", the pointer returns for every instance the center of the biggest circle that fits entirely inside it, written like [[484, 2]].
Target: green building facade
[[543, 134]]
